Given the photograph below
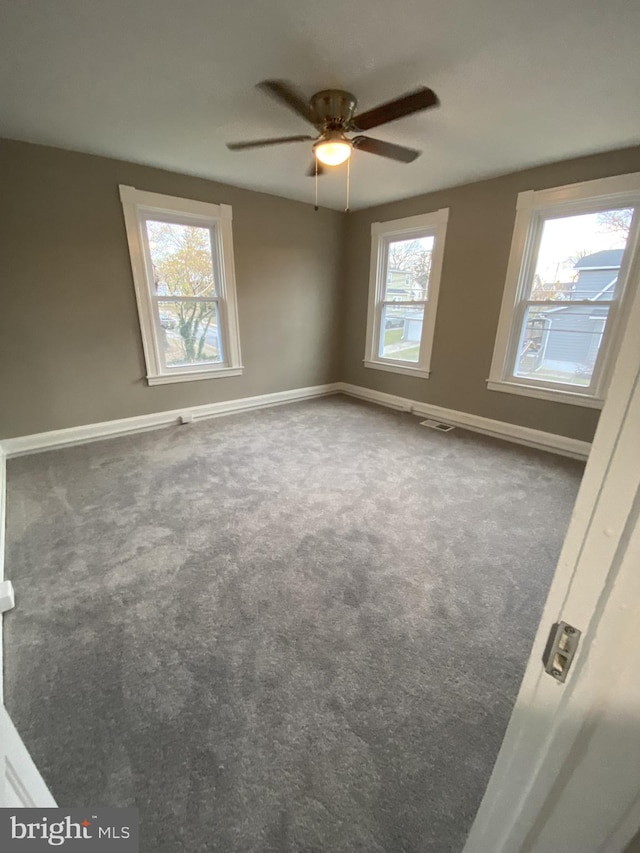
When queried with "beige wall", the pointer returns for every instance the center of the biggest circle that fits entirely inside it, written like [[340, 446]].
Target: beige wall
[[479, 232], [70, 347]]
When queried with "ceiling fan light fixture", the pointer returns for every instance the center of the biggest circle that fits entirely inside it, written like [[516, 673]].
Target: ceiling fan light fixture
[[334, 148]]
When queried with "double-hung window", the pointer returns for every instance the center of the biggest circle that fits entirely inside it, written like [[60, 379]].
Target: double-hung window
[[182, 261], [406, 263], [570, 273]]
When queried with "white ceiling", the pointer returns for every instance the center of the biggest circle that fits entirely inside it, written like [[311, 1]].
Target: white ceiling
[[168, 82]]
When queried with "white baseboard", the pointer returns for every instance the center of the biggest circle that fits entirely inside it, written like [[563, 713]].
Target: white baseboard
[[499, 429], [26, 444], [391, 401]]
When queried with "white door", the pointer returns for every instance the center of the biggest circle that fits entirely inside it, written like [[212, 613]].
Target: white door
[[21, 786], [568, 774]]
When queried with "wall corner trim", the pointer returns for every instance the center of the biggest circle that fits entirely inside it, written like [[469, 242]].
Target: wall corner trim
[[27, 444], [527, 436]]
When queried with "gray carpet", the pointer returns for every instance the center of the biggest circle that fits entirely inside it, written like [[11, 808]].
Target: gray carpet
[[298, 630]]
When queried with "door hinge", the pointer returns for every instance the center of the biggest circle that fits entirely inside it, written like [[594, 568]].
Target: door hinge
[[560, 650]]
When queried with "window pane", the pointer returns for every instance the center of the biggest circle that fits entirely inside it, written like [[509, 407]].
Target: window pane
[[408, 269], [181, 258], [401, 332], [561, 343], [580, 256], [190, 333]]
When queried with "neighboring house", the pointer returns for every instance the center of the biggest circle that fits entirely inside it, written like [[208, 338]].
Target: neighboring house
[[401, 286], [567, 338], [412, 329], [596, 273]]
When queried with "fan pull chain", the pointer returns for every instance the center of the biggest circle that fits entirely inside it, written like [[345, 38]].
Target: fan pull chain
[[346, 210], [316, 162]]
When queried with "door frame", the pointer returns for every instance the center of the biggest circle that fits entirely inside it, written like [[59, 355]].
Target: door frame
[[21, 785], [530, 783]]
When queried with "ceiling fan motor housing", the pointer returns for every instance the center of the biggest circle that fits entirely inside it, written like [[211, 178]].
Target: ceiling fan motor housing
[[333, 109], [332, 112]]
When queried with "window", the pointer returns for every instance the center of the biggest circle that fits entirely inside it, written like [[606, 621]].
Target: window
[[182, 262], [567, 284], [406, 262]]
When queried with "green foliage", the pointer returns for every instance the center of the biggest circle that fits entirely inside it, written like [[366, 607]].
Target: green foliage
[[181, 256], [392, 336]]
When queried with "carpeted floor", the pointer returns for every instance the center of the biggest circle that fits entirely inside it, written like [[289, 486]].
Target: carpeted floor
[[297, 630]]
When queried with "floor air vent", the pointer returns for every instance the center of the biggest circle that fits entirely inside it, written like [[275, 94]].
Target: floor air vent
[[437, 425]]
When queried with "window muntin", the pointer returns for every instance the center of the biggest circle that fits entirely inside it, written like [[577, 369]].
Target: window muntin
[[571, 254], [401, 331], [185, 294], [406, 264], [569, 295], [182, 260], [190, 332], [407, 268]]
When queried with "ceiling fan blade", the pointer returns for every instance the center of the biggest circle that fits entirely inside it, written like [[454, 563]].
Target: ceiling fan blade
[[287, 94], [311, 172], [262, 143], [385, 149], [412, 102]]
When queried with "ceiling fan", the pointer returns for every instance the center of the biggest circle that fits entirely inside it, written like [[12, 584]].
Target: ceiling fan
[[333, 113]]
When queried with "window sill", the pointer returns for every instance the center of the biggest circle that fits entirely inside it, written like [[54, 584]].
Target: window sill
[[398, 368], [192, 375], [571, 397]]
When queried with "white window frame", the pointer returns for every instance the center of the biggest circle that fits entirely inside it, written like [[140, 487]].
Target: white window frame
[[533, 207], [138, 206], [382, 233]]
